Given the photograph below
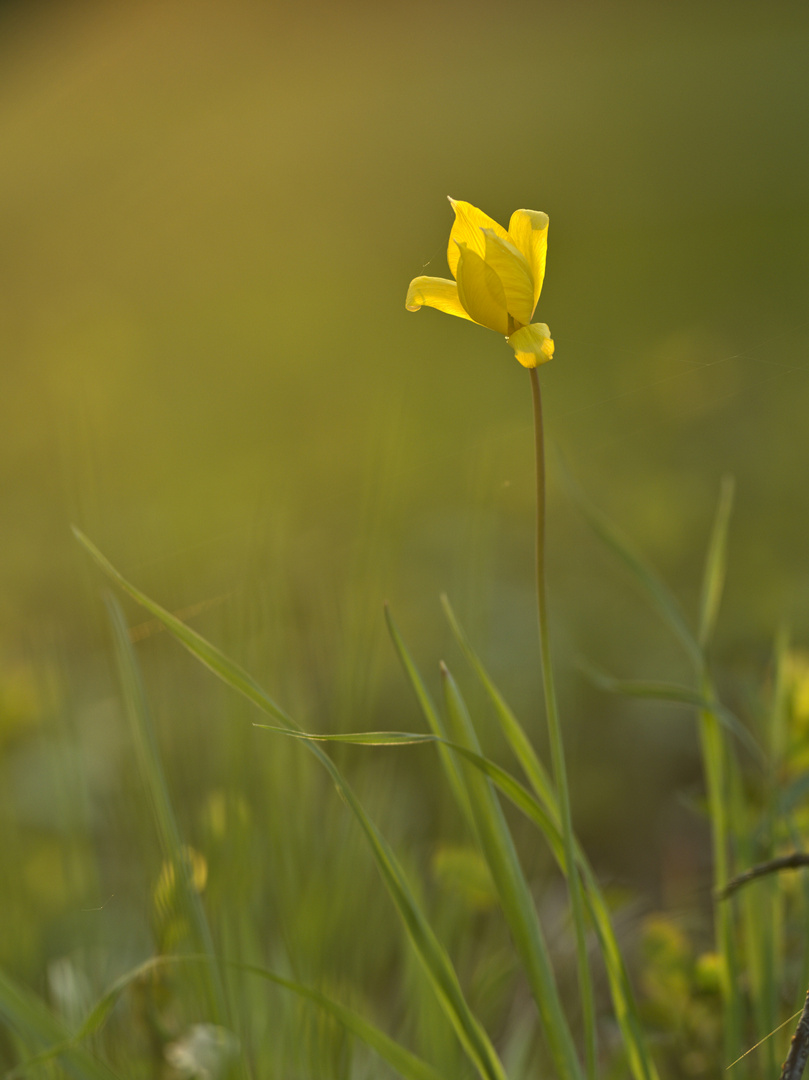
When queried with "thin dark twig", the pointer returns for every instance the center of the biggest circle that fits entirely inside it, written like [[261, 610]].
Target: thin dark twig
[[784, 862], [799, 1050]]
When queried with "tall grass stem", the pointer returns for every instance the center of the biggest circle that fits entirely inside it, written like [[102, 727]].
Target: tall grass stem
[[557, 746]]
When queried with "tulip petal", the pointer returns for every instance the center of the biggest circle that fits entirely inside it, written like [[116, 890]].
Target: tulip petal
[[435, 292], [469, 221], [481, 291], [528, 231], [532, 344], [512, 268]]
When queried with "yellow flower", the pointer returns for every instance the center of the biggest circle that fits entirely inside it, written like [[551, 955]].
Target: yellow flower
[[498, 278]]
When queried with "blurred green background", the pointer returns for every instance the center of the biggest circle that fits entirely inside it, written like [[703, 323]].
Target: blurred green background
[[210, 213]]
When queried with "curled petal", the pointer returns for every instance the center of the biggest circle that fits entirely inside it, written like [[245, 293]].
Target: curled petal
[[528, 231], [532, 344], [467, 229], [435, 292], [481, 291], [515, 276]]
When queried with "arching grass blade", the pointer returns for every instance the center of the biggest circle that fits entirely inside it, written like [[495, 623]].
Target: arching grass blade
[[434, 958]]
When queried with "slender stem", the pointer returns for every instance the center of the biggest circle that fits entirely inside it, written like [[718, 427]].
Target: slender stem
[[557, 747], [799, 1049], [783, 862]]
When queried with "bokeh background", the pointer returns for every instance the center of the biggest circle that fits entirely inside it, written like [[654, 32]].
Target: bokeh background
[[209, 214]]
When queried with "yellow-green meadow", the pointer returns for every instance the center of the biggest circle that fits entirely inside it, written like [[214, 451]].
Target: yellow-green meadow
[[300, 776]]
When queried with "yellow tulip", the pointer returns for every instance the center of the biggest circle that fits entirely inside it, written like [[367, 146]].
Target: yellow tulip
[[498, 278]]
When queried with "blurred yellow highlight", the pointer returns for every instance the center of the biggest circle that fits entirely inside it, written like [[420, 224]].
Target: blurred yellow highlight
[[498, 278], [165, 888]]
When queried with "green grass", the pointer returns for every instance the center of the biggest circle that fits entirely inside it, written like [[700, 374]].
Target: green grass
[[207, 970]]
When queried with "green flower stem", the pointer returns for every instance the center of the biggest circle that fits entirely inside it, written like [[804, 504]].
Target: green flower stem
[[557, 748]]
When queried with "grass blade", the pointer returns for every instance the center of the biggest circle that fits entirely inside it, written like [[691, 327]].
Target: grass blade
[[151, 767], [714, 752], [710, 723], [717, 762], [721, 778], [715, 564], [515, 896], [663, 601], [718, 784], [641, 1065], [434, 719], [760, 909], [433, 957], [681, 695], [32, 1020], [408, 1065], [207, 654], [512, 729], [543, 811], [786, 797], [360, 738]]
